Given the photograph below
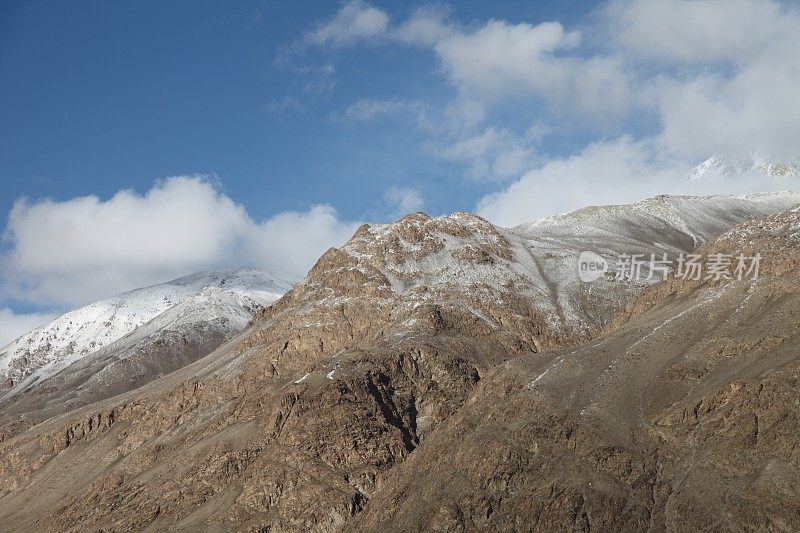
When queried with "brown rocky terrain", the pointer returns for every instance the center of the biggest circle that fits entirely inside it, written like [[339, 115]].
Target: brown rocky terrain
[[454, 340], [684, 416], [333, 386]]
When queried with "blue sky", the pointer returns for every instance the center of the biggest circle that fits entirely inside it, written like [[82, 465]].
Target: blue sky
[[99, 96], [142, 141]]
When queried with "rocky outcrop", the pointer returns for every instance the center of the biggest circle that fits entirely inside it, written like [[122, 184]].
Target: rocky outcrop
[[682, 417]]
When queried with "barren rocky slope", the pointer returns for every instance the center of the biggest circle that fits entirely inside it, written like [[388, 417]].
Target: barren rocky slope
[[683, 417], [302, 420]]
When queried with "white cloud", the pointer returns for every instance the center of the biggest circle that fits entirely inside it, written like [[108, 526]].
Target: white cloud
[[355, 21], [565, 184], [500, 56], [292, 241], [14, 325], [317, 79], [287, 103], [501, 60], [403, 200], [691, 78], [721, 77], [700, 77], [425, 27], [363, 110], [492, 154], [696, 31], [498, 62], [756, 108], [83, 249], [703, 77], [493, 63], [498, 59]]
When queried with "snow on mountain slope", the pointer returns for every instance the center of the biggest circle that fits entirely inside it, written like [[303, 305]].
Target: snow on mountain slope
[[46, 350], [525, 277], [721, 167], [182, 334], [661, 218], [660, 225], [464, 257]]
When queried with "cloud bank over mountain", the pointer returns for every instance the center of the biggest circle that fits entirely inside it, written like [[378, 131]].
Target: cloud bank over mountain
[[72, 252], [661, 86]]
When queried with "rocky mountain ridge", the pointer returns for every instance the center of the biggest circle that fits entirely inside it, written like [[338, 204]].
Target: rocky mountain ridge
[[47, 349], [408, 341], [55, 377]]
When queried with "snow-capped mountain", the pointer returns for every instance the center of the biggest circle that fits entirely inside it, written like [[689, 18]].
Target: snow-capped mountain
[[756, 163], [431, 331], [522, 279], [660, 225], [229, 296], [463, 257], [662, 218]]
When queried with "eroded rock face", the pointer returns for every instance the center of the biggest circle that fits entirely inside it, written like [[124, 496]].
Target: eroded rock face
[[294, 423], [682, 417], [419, 364]]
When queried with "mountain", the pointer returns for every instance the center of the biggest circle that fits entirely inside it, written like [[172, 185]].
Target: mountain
[[754, 164], [682, 416], [379, 379], [196, 311], [661, 225]]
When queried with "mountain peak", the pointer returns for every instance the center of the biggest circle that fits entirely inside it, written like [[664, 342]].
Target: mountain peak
[[719, 166], [86, 330]]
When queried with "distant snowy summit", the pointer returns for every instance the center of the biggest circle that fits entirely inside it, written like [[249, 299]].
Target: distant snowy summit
[[754, 164], [230, 297]]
